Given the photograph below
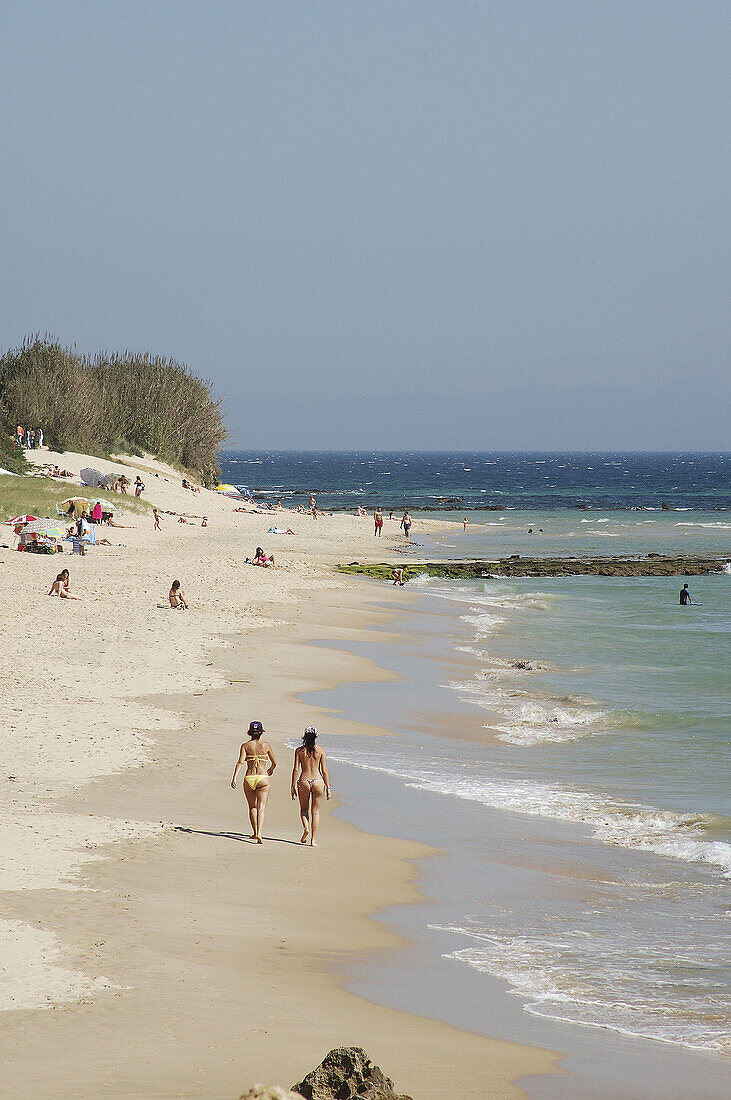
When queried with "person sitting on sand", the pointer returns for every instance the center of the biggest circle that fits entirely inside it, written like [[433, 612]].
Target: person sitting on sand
[[61, 586], [260, 558], [312, 784], [177, 596], [205, 521], [255, 753]]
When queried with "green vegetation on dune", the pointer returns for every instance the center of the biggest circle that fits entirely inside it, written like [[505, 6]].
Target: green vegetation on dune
[[39, 496], [12, 457], [111, 403]]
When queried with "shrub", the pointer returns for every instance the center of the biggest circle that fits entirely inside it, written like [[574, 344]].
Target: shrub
[[119, 402]]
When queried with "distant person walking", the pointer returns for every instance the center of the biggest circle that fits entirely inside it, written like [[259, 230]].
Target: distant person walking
[[139, 486], [312, 784], [29, 437], [378, 522], [255, 753], [39, 437], [20, 434], [685, 596], [406, 524], [156, 517]]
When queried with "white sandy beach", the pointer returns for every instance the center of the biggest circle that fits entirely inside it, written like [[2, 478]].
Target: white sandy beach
[[148, 948]]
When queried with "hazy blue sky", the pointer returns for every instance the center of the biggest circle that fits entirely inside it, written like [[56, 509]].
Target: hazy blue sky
[[383, 223]]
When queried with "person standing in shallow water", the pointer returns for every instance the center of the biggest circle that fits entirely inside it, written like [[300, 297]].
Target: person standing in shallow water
[[255, 753], [313, 783]]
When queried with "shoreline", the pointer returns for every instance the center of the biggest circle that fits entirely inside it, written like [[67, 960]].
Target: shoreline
[[190, 952], [462, 991]]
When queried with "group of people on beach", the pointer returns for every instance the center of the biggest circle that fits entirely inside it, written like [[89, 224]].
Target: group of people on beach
[[310, 780], [405, 523], [31, 439]]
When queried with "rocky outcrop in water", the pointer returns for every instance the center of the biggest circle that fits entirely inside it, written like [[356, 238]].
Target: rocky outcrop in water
[[347, 1073], [654, 565]]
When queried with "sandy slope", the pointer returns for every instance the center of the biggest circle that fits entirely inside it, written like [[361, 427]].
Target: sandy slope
[[186, 963]]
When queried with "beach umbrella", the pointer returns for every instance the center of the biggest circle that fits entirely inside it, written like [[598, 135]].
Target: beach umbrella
[[90, 476], [226, 489], [107, 505], [77, 504], [50, 527], [20, 520]]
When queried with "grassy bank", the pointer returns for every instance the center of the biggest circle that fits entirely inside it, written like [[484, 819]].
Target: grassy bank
[[40, 496]]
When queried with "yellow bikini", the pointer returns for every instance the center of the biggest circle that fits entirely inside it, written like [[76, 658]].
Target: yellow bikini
[[256, 779]]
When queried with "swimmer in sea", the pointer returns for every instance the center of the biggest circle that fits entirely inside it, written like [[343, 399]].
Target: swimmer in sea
[[255, 753], [313, 783]]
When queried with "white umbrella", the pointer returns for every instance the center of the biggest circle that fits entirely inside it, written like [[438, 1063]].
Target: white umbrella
[[107, 505], [46, 527]]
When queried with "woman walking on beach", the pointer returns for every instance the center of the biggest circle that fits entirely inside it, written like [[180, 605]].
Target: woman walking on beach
[[313, 783], [255, 753]]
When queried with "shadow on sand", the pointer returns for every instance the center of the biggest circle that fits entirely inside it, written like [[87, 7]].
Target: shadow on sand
[[235, 836]]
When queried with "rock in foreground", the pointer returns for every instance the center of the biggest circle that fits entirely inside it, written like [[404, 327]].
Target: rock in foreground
[[347, 1073]]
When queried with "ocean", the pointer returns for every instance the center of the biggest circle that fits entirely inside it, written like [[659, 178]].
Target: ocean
[[476, 481], [565, 743]]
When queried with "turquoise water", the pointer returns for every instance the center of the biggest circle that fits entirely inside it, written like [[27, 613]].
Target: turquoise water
[[572, 532], [564, 742], [605, 712]]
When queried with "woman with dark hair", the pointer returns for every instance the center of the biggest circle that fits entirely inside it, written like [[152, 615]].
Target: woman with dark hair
[[177, 596], [313, 783], [255, 753]]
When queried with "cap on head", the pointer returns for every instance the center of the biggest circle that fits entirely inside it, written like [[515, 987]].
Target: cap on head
[[256, 727]]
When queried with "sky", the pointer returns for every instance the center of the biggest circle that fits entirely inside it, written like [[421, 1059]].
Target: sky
[[383, 224]]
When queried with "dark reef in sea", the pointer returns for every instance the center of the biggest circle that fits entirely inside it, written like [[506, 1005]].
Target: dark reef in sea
[[654, 565]]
